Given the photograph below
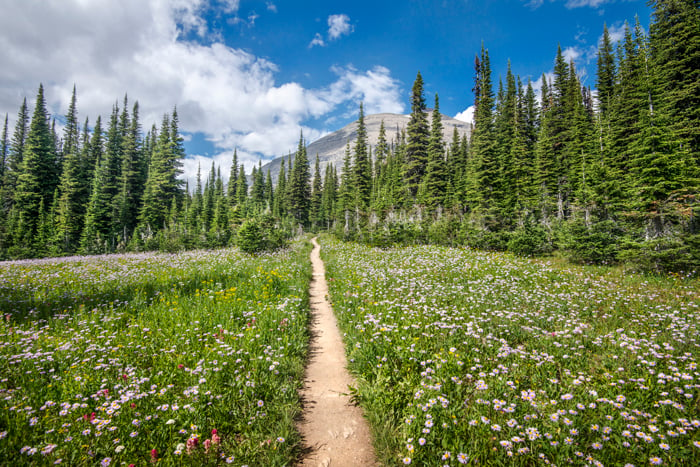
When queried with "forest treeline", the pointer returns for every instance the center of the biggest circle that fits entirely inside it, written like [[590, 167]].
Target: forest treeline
[[605, 176]]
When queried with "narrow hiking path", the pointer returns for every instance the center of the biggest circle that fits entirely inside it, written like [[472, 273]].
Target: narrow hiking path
[[333, 430]]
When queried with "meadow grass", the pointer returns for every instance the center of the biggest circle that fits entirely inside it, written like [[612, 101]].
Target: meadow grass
[[467, 357], [184, 359]]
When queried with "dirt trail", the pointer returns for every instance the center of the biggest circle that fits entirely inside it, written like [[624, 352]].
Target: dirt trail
[[333, 430]]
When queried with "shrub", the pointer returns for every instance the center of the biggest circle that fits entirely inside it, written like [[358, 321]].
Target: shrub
[[529, 240], [260, 234], [250, 237], [594, 244]]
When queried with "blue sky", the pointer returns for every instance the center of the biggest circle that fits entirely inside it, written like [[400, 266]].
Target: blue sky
[[252, 74]]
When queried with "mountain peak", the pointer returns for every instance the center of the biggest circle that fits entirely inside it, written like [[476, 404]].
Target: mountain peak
[[331, 147]]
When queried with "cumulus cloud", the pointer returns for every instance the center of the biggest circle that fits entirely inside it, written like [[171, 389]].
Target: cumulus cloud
[[378, 91], [230, 96], [271, 7], [467, 115], [338, 25]]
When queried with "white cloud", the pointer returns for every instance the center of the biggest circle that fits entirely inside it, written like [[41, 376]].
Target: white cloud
[[271, 7], [338, 25], [571, 53], [616, 33], [467, 115], [317, 40], [585, 3], [378, 91], [230, 6], [570, 4], [108, 48]]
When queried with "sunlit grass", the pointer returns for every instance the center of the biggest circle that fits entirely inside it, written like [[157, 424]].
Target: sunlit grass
[[484, 358], [191, 359]]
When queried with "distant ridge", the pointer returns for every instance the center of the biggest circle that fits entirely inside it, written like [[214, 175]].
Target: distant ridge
[[331, 148]]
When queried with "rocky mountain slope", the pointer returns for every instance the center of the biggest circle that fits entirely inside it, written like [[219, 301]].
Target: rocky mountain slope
[[331, 148]]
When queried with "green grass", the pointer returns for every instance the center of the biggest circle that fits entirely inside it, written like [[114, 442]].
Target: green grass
[[484, 358], [122, 359]]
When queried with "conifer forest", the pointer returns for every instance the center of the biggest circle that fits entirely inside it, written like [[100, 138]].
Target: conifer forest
[[606, 176], [520, 291]]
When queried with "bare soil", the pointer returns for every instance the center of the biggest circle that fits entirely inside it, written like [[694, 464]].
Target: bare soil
[[334, 431]]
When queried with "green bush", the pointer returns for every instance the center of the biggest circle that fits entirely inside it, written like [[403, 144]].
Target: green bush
[[594, 244], [529, 240], [261, 234], [250, 237], [664, 254]]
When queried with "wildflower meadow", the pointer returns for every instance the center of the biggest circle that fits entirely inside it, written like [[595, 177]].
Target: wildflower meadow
[[479, 358], [176, 359]]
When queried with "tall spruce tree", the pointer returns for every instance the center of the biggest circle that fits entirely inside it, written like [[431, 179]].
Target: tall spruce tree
[[361, 167], [329, 196], [299, 186], [132, 177], [233, 179], [279, 206], [675, 56], [72, 197], [4, 153], [101, 216], [16, 153], [315, 209], [606, 73], [162, 185], [418, 133], [35, 181], [484, 188], [436, 171]]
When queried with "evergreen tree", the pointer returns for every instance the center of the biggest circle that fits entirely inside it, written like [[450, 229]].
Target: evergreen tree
[[329, 196], [361, 168], [35, 181], [72, 197], [299, 187], [675, 55], [133, 176], [315, 209], [381, 153], [195, 217], [177, 156], [484, 188], [625, 110], [101, 215], [4, 152], [233, 179], [436, 173], [209, 199], [220, 219], [16, 153], [416, 153], [606, 73], [279, 209], [505, 127], [163, 185], [269, 191], [545, 158], [242, 188], [346, 194], [257, 192]]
